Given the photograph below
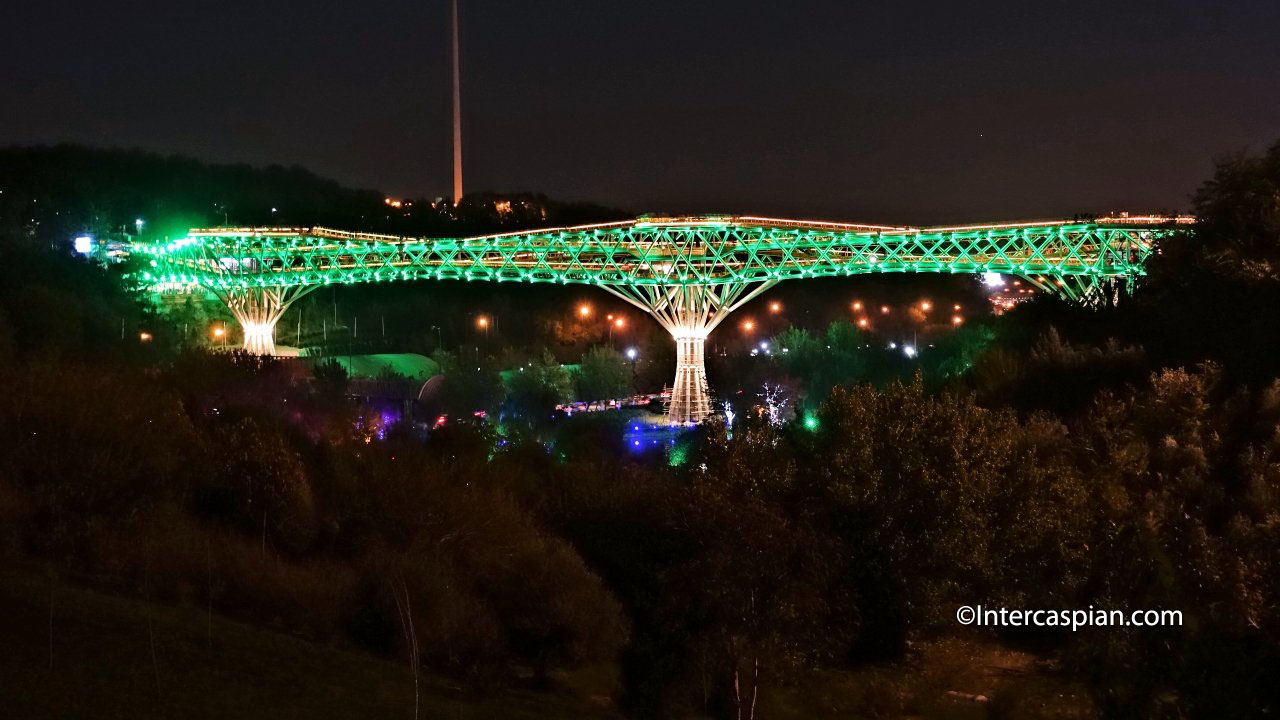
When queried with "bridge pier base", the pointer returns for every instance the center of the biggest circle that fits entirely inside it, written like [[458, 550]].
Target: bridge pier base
[[690, 313], [258, 310], [690, 395]]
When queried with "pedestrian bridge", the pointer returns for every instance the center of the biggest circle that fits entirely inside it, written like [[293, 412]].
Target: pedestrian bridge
[[689, 273]]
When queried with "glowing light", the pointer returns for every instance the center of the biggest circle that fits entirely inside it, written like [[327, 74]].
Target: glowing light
[[632, 353], [926, 306], [584, 310], [956, 307], [857, 305], [810, 422], [775, 307], [909, 350], [748, 325], [884, 309], [619, 322], [764, 344], [139, 223], [864, 323], [144, 336], [992, 279], [956, 320], [482, 322], [83, 244], [219, 331]]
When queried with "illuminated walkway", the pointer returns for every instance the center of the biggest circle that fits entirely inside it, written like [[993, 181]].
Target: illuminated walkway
[[689, 273]]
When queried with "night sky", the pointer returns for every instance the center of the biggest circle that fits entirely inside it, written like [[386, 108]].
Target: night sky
[[891, 111]]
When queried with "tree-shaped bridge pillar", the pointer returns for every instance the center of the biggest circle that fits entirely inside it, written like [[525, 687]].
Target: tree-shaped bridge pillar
[[690, 313], [258, 310]]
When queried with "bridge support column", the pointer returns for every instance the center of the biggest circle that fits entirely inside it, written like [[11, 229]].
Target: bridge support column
[[690, 313], [258, 310], [1088, 290], [690, 396]]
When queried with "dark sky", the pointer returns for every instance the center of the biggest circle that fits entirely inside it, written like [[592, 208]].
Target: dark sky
[[888, 111]]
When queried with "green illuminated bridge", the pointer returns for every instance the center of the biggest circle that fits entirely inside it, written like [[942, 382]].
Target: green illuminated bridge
[[689, 273]]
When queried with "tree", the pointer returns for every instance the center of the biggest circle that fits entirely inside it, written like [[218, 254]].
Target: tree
[[534, 389], [820, 363], [259, 483], [603, 374], [1238, 217], [918, 488], [469, 386]]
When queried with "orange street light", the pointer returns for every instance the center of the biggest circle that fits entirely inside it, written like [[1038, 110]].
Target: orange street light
[[857, 305], [884, 309], [926, 306], [864, 323], [956, 320], [775, 307], [584, 310], [482, 322], [748, 325], [219, 331], [144, 336], [619, 322]]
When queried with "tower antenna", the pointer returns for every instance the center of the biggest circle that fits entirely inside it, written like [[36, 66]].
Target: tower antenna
[[457, 114]]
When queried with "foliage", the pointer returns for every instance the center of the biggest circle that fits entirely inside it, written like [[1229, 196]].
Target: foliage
[[603, 374], [837, 357], [469, 386], [535, 388]]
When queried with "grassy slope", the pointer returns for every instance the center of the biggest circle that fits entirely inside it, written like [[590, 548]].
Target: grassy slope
[[102, 667]]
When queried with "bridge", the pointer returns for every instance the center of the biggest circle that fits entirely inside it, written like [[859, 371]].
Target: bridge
[[689, 273]]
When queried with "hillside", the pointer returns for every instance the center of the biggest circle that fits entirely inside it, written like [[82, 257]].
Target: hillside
[[102, 667]]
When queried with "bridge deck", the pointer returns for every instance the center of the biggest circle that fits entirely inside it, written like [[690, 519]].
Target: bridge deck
[[704, 250]]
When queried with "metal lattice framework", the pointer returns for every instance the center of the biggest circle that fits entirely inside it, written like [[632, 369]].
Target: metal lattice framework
[[688, 272]]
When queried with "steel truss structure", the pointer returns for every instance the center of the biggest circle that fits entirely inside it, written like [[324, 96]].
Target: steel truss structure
[[688, 272]]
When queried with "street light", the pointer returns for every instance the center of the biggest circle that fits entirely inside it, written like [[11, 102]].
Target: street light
[[884, 309], [748, 325], [138, 224], [632, 353], [775, 307], [926, 306], [584, 310], [144, 336]]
